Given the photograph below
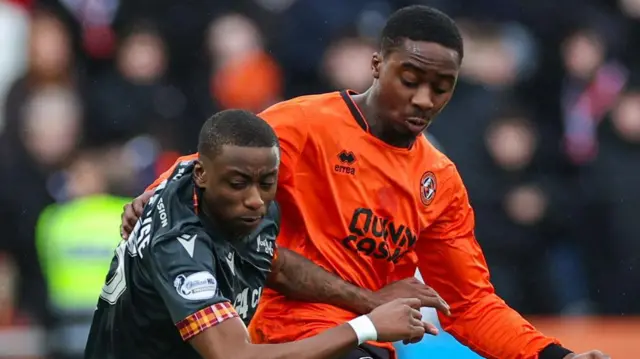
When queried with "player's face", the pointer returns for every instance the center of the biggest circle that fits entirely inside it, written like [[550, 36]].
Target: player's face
[[414, 83], [239, 184]]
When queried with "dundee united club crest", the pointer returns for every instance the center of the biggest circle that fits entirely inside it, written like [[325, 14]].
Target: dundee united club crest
[[427, 188]]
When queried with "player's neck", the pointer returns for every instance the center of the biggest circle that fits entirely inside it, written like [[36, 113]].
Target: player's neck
[[378, 127]]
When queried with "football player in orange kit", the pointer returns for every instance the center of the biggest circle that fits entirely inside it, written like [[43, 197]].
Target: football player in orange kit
[[367, 197]]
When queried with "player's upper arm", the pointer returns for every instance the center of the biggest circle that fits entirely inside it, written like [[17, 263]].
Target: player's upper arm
[[292, 128], [182, 269], [166, 174], [222, 341], [449, 257]]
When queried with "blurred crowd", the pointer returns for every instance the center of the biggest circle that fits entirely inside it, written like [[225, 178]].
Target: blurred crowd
[[98, 96]]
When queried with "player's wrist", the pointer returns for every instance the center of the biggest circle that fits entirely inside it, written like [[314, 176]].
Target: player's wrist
[[370, 302], [555, 351], [364, 328]]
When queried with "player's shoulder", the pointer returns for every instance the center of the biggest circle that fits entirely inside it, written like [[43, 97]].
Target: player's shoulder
[[188, 240], [182, 165], [170, 210], [172, 203], [273, 214], [304, 108], [307, 102], [432, 162]]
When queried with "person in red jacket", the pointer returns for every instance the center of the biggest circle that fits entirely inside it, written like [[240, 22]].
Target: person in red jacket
[[367, 197]]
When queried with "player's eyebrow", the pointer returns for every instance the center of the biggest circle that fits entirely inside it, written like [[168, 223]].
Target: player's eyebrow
[[411, 66], [238, 172]]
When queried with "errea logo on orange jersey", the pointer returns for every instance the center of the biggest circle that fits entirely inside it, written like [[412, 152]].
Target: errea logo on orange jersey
[[347, 159], [378, 237]]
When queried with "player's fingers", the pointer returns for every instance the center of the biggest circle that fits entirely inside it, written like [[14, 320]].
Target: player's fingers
[[417, 332], [430, 328], [124, 211], [125, 225], [127, 212], [138, 207], [129, 216], [414, 303], [415, 313], [437, 303], [413, 321], [429, 297], [412, 340], [443, 306], [125, 231]]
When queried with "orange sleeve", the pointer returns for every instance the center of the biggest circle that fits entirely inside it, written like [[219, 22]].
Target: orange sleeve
[[451, 261], [168, 172]]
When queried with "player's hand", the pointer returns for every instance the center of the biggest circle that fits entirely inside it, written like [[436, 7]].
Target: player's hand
[[131, 212], [400, 319], [594, 354], [413, 288]]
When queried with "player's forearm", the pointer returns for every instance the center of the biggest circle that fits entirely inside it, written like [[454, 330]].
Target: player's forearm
[[332, 343], [298, 278], [494, 330]]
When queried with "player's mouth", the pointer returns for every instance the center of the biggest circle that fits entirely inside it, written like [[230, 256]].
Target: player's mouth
[[251, 220], [416, 124]]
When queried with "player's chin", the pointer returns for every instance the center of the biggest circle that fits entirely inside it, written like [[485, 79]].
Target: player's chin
[[246, 224], [409, 129], [415, 126]]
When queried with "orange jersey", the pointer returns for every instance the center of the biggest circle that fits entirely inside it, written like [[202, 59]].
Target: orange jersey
[[372, 213]]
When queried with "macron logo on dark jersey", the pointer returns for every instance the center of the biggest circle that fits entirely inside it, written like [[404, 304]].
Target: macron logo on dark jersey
[[188, 242], [347, 159]]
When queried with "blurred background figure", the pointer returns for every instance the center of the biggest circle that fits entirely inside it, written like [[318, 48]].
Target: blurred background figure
[[75, 240], [347, 64], [243, 75], [98, 97]]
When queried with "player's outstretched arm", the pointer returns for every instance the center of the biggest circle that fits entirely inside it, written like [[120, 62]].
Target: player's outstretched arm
[[451, 260], [396, 320], [300, 279]]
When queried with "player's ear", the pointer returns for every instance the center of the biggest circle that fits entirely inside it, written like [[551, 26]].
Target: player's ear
[[376, 62], [199, 174]]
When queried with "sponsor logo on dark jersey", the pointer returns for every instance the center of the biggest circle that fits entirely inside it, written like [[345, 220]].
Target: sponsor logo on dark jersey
[[196, 286], [264, 245]]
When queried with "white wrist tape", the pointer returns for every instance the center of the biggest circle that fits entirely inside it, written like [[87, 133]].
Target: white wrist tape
[[364, 328]]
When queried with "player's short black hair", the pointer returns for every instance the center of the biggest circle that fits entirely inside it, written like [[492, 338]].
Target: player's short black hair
[[421, 23], [237, 128]]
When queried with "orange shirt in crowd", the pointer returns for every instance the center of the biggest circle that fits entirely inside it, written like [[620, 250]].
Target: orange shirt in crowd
[[372, 213]]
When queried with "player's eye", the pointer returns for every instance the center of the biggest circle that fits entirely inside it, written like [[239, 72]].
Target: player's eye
[[238, 185], [267, 185], [440, 90], [409, 83], [442, 87]]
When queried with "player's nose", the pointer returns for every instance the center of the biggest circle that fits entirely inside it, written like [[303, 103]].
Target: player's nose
[[253, 200], [423, 98]]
